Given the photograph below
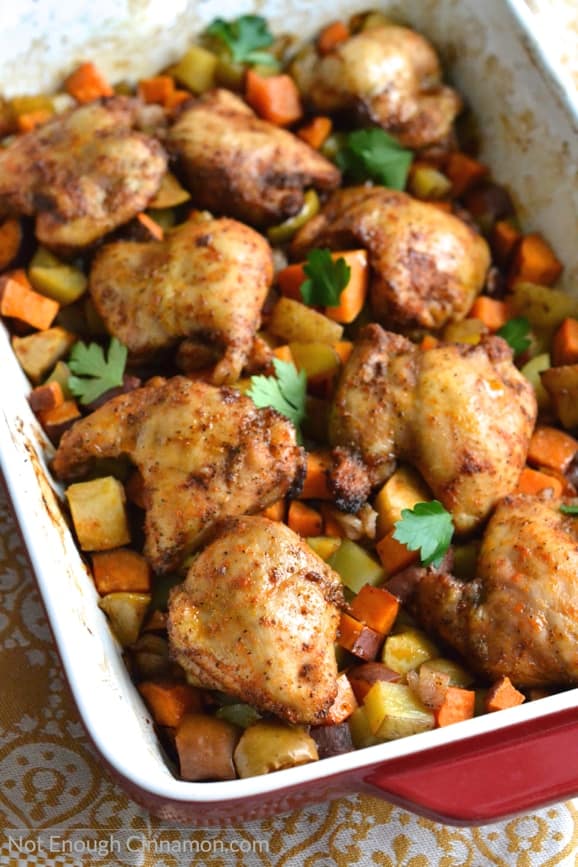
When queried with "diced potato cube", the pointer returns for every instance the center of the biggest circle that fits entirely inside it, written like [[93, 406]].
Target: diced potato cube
[[126, 613], [355, 566], [402, 491], [393, 711], [318, 360], [324, 546], [407, 650], [205, 746], [543, 307], [170, 193], [196, 69], [271, 746], [361, 734], [295, 322], [561, 383], [532, 370], [457, 673], [98, 514], [63, 283], [425, 182], [39, 352], [61, 374], [466, 331]]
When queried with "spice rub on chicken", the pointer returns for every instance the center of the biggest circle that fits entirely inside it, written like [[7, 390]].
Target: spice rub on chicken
[[463, 416], [239, 165], [389, 76], [257, 617], [82, 174], [427, 266], [517, 617], [204, 453], [205, 282]]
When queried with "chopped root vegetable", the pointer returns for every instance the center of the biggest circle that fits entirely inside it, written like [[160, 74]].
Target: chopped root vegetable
[[344, 705], [19, 300], [394, 555], [205, 745], [534, 482], [283, 353], [275, 512], [376, 607], [503, 694], [332, 36], [504, 238], [552, 448], [358, 638], [464, 172], [152, 227], [58, 419], [46, 397], [316, 131], [458, 705], [315, 486], [353, 296], [10, 241], [362, 677], [534, 262], [158, 89], [428, 342], [169, 702], [121, 570], [289, 280], [564, 343], [494, 314], [343, 348], [304, 520], [31, 119], [275, 99], [87, 83], [331, 525]]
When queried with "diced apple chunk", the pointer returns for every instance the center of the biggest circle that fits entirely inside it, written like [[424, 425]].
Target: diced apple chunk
[[99, 514], [393, 711]]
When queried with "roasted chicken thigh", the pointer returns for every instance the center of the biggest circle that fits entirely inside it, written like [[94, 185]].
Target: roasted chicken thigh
[[82, 174], [206, 281], [390, 76], [204, 453], [463, 415], [427, 266], [239, 165], [257, 617], [518, 616]]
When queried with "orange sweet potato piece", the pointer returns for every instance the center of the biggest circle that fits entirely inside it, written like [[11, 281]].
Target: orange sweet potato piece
[[534, 482], [316, 131], [564, 348], [376, 607], [457, 705], [10, 241], [503, 694], [304, 520], [315, 486], [87, 83], [120, 571], [275, 99], [358, 638], [464, 172], [552, 448], [19, 300], [394, 555], [534, 262], [45, 397], [331, 36], [493, 313], [169, 702]]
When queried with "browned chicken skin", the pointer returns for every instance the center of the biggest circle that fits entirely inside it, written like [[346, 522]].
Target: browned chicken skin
[[390, 76], [204, 454], [82, 174], [462, 415], [427, 266], [239, 165], [257, 617], [207, 279], [519, 616]]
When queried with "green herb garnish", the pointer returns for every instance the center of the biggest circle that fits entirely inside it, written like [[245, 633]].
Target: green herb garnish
[[285, 392], [372, 154], [571, 509], [427, 528], [95, 374], [244, 36], [516, 333], [327, 278]]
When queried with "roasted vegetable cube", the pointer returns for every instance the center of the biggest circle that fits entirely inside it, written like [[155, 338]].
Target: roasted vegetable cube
[[272, 746], [294, 322], [407, 650], [355, 566], [544, 308], [125, 612], [196, 69], [393, 711], [361, 734], [561, 384], [38, 353], [98, 514], [401, 491], [205, 746]]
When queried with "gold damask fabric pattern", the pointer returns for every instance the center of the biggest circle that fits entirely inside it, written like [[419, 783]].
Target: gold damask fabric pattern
[[58, 807]]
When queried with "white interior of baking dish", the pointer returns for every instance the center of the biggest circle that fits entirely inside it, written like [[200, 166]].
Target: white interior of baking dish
[[529, 138]]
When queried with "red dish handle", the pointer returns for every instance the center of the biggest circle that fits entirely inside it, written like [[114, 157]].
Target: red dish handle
[[488, 777]]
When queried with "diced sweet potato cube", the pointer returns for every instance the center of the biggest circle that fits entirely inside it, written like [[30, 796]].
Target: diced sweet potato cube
[[169, 702], [358, 638], [121, 569]]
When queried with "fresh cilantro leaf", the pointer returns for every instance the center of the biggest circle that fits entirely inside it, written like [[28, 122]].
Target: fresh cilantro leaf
[[569, 509], [372, 154], [429, 528], [95, 374], [285, 392], [244, 36], [327, 278], [516, 333]]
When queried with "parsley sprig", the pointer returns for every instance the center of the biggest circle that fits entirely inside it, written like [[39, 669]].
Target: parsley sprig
[[569, 508], [95, 374], [244, 36], [285, 392], [427, 528], [372, 154], [326, 278], [516, 332]]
